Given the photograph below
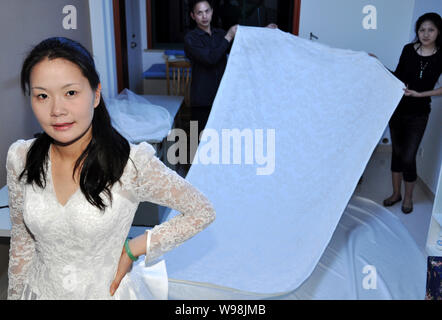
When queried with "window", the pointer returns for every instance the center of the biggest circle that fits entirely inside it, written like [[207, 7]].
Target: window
[[169, 20]]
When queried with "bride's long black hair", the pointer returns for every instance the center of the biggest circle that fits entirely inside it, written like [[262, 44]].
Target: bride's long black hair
[[104, 159]]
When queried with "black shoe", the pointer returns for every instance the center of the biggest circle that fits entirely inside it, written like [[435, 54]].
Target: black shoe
[[407, 210], [389, 203]]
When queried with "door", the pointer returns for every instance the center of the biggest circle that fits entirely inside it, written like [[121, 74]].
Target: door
[[134, 47]]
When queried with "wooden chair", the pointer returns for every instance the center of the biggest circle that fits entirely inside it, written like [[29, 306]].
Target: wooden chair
[[178, 83], [178, 76]]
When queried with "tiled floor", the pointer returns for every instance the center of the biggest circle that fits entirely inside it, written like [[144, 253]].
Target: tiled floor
[[375, 185]]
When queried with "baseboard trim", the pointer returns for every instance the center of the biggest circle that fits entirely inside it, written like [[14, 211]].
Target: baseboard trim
[[383, 148], [426, 189]]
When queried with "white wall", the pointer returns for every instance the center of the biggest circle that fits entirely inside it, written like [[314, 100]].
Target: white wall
[[430, 158], [23, 24], [338, 23]]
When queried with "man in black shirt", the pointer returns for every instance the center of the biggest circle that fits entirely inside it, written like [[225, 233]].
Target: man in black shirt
[[206, 48]]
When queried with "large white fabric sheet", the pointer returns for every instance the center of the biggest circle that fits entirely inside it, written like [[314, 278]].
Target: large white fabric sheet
[[328, 107], [367, 235]]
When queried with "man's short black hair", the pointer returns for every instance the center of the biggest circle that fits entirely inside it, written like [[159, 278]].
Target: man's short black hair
[[193, 3]]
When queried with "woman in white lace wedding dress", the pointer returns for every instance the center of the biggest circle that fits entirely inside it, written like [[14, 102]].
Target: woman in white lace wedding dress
[[67, 241]]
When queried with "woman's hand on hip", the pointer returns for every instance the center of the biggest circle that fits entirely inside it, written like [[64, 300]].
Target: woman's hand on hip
[[123, 267]]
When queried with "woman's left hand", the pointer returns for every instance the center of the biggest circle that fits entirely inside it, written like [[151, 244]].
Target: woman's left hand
[[412, 93], [123, 267]]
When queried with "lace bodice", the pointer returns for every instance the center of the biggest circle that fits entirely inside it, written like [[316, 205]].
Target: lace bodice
[[72, 251]]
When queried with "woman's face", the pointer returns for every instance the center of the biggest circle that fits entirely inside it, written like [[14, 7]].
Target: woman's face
[[63, 100], [428, 33]]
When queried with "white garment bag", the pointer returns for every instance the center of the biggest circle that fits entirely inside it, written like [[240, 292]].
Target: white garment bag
[[137, 119]]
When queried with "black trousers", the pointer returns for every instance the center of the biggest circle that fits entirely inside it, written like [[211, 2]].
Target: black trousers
[[200, 114], [406, 133]]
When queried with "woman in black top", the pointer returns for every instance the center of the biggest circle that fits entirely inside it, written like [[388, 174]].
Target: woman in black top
[[420, 66]]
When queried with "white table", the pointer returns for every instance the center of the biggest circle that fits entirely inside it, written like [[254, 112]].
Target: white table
[[148, 213], [5, 221], [171, 103]]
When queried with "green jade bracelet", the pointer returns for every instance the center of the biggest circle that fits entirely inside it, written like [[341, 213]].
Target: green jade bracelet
[[129, 253]]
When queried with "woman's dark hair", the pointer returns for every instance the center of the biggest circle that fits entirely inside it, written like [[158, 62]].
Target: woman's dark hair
[[103, 161], [436, 20]]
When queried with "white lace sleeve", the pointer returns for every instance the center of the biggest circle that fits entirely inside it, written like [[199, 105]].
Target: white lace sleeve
[[22, 243], [155, 182]]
